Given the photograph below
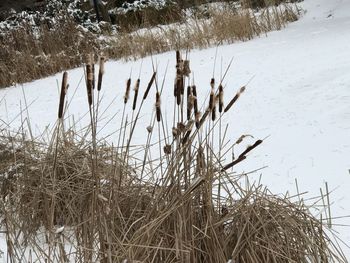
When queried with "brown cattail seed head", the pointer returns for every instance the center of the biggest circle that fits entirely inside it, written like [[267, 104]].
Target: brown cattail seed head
[[235, 98], [179, 89], [150, 83], [190, 103], [93, 76], [175, 87], [195, 102], [211, 100], [89, 72], [189, 91], [178, 56], [194, 90], [100, 73], [186, 71], [136, 89], [212, 83], [64, 88], [197, 119], [102, 65], [127, 91], [175, 132], [213, 113], [89, 84], [221, 98], [158, 111], [249, 148], [242, 89], [137, 85]]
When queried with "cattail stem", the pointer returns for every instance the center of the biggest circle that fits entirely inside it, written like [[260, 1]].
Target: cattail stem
[[204, 117]]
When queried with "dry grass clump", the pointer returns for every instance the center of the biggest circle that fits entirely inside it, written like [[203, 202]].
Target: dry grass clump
[[224, 25], [149, 17], [276, 229], [76, 198], [27, 55]]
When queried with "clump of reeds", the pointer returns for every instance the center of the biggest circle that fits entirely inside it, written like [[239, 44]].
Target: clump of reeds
[[97, 203]]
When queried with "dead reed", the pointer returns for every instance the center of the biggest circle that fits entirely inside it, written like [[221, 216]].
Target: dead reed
[[82, 200], [28, 54], [221, 26]]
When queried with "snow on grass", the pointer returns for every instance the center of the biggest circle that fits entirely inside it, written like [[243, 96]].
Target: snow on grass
[[299, 97]]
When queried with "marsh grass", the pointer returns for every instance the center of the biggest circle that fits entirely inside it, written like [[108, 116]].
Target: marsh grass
[[28, 55], [77, 198]]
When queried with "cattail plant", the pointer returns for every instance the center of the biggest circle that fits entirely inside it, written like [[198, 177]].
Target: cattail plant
[[212, 83], [186, 71], [179, 86], [100, 73], [235, 98], [89, 82], [197, 114], [175, 87], [158, 111], [221, 98], [136, 92], [112, 206], [213, 111], [127, 91], [167, 149], [178, 57], [189, 102], [250, 148], [150, 83], [211, 100], [64, 88], [93, 75]]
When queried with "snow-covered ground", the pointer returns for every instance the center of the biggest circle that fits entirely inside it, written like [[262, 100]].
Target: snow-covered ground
[[299, 97]]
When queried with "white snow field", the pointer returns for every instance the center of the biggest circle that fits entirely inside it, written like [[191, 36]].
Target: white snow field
[[299, 97]]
